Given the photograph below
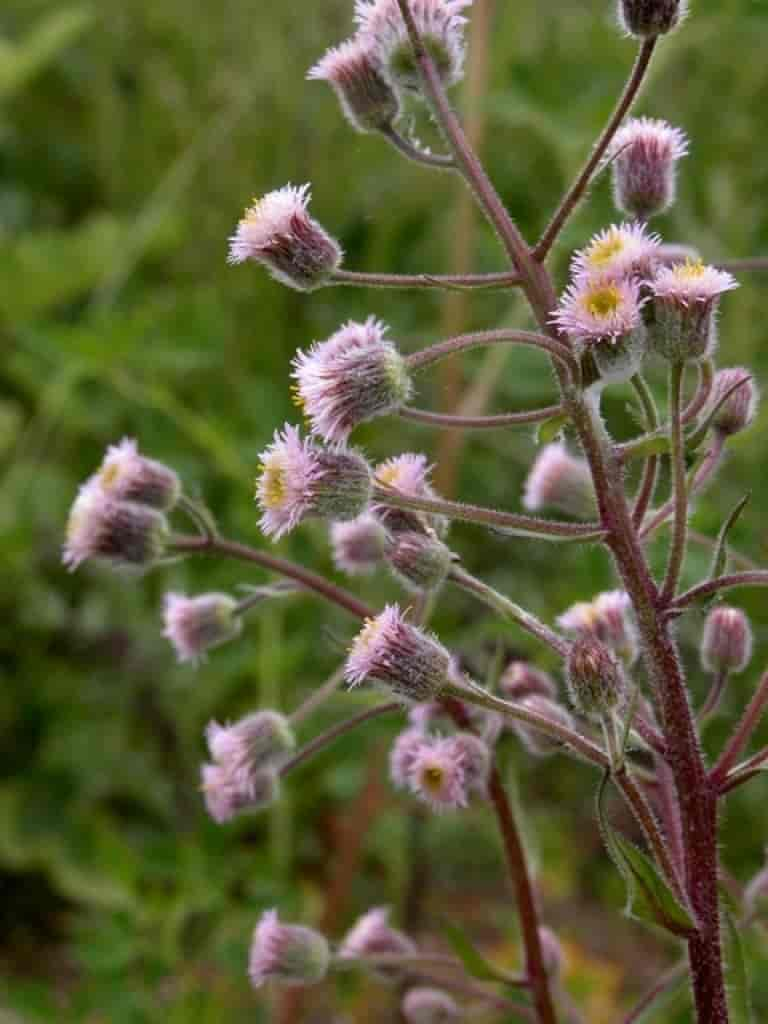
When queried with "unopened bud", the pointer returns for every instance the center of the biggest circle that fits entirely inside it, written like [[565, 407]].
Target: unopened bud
[[429, 1006], [194, 625], [594, 677], [419, 560], [359, 545], [681, 318], [520, 679], [535, 741], [288, 954], [368, 101], [372, 936], [122, 534], [561, 481], [644, 157], [227, 793], [739, 408], [648, 18], [726, 645], [125, 475]]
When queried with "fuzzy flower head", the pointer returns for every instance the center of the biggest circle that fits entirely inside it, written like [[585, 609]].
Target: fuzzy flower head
[[644, 157], [419, 560], [299, 480], [736, 412], [536, 742], [520, 679], [359, 545], [475, 759], [391, 651], [429, 1006], [366, 98], [122, 534], [646, 19], [609, 619], [278, 232], [561, 481], [371, 936], [287, 954], [726, 645], [440, 25], [409, 474], [437, 775], [594, 676], [598, 308], [403, 753], [682, 317], [127, 475], [228, 793], [354, 376], [196, 624], [249, 745], [623, 250]]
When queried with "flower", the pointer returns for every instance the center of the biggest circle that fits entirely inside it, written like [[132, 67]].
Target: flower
[[287, 953], [594, 676], [419, 560], [609, 618], [737, 411], [278, 232], [437, 775], [487, 724], [649, 18], [372, 936], [122, 534], [404, 750], [252, 743], [475, 759], [683, 313], [726, 645], [598, 308], [623, 250], [352, 70], [391, 651], [644, 156], [559, 480], [128, 476], [535, 741], [440, 25], [299, 479], [359, 545], [226, 793], [429, 1006], [408, 474], [196, 624], [521, 679], [352, 377]]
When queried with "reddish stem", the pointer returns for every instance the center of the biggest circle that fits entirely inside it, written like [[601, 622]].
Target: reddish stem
[[742, 734], [506, 419]]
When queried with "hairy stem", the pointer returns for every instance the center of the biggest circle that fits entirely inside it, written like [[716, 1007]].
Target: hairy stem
[[416, 153], [650, 475], [449, 421], [449, 347], [742, 734], [325, 739], [481, 282], [679, 483], [754, 578]]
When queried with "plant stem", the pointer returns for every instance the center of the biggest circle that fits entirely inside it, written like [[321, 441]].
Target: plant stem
[[482, 282], [754, 578], [416, 153], [472, 991], [311, 580], [700, 477], [505, 419], [651, 469], [702, 393], [679, 483], [744, 772], [580, 186], [742, 734], [318, 697], [325, 739], [758, 263], [713, 697], [449, 347], [667, 981]]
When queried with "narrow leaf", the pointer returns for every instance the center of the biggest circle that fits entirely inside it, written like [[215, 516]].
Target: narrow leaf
[[737, 976], [473, 960], [721, 550], [550, 429]]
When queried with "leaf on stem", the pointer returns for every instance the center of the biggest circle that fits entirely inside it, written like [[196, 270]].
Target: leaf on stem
[[721, 549], [737, 977], [551, 429], [473, 960]]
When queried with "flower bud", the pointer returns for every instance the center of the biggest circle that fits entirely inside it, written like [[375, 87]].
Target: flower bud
[[390, 650], [475, 758], [196, 624], [521, 679], [594, 677], [288, 954], [372, 936], [726, 645], [609, 619], [739, 409], [429, 1006], [125, 475], [644, 156], [438, 776], [251, 743], [536, 742], [278, 232], [419, 560], [352, 377], [300, 480], [367, 100], [227, 794], [403, 753], [552, 952], [123, 534], [681, 318], [409, 474], [648, 18], [559, 480], [359, 545]]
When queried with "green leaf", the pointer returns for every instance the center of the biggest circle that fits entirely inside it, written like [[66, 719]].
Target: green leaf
[[721, 550], [737, 977], [474, 962], [551, 428]]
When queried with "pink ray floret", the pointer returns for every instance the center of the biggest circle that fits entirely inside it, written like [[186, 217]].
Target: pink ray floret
[[692, 282], [621, 250], [599, 308], [438, 777]]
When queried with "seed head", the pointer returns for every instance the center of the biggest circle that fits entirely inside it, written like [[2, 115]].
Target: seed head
[[354, 376], [622, 250], [419, 560], [559, 480], [300, 479], [739, 409], [288, 954], [278, 232], [608, 618], [372, 936], [536, 742], [359, 545], [438, 777], [648, 18], [644, 157], [682, 317], [409, 474], [125, 475], [429, 1006], [352, 70], [594, 676], [227, 794], [520, 680], [726, 645], [196, 624], [599, 307]]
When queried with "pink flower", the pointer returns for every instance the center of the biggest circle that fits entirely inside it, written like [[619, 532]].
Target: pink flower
[[367, 100], [278, 232], [358, 545], [196, 624], [692, 282], [228, 793], [419, 560], [250, 744], [624, 250], [739, 409], [437, 775], [644, 156], [599, 308], [300, 479], [475, 759], [559, 480], [727, 642], [429, 1006], [354, 376], [521, 679], [288, 954], [128, 476], [408, 474], [609, 618], [403, 752], [536, 742], [647, 19], [372, 936], [685, 301]]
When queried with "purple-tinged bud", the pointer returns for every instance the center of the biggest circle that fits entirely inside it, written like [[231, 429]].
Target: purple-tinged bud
[[438, 776], [278, 232], [552, 952], [536, 742], [644, 156], [287, 953], [419, 560], [681, 323], [623, 250], [372, 936], [122, 534], [561, 481], [739, 409], [252, 743], [440, 26], [520, 679], [403, 753], [609, 619], [299, 480], [726, 644], [196, 624], [227, 794], [125, 475], [594, 677], [475, 758], [429, 1006], [648, 18], [409, 474], [352, 70], [391, 651], [354, 376], [359, 545]]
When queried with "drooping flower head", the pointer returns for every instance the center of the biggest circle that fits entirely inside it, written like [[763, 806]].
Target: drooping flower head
[[126, 475], [409, 474], [609, 618], [353, 71], [390, 650], [520, 679], [686, 296], [278, 232], [287, 953], [429, 1006], [536, 742], [437, 775], [261, 738], [419, 560], [622, 250], [599, 307], [196, 624], [644, 157], [228, 793], [648, 18], [740, 407], [354, 376], [560, 480], [726, 645], [594, 676], [359, 545], [300, 479], [441, 27], [371, 936], [401, 757]]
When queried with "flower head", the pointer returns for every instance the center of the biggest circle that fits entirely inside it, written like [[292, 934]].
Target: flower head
[[419, 560], [683, 314], [623, 250], [609, 618], [409, 474], [299, 480], [559, 480], [127, 475], [390, 650], [354, 376], [371, 936], [594, 676], [440, 25], [599, 307], [366, 98], [287, 953], [437, 775], [475, 758], [648, 18], [520, 679], [737, 411], [404, 750], [228, 793], [536, 742], [726, 645], [278, 232], [358, 545], [429, 1006], [249, 745], [644, 156], [196, 624]]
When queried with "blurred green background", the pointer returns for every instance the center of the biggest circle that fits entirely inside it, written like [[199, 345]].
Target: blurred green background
[[132, 134]]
